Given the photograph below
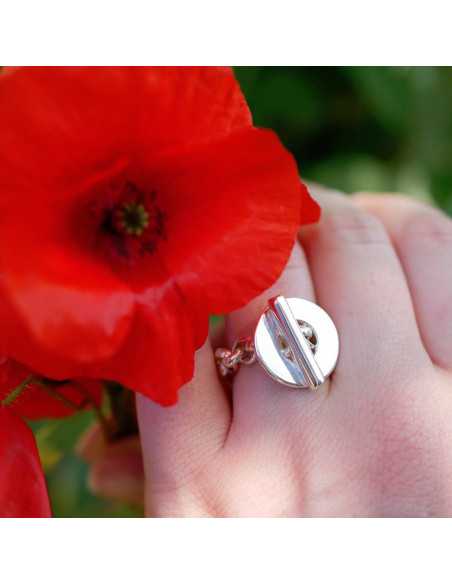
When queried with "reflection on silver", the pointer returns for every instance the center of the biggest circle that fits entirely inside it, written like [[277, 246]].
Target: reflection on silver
[[304, 365], [295, 341], [292, 335]]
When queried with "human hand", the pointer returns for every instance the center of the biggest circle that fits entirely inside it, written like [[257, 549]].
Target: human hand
[[376, 438], [115, 468]]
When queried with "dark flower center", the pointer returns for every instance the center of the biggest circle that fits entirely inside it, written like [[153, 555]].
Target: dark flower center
[[131, 223], [132, 218]]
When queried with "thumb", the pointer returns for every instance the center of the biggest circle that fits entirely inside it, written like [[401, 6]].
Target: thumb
[[179, 440]]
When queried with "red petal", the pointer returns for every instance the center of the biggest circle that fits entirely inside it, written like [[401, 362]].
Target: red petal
[[233, 213], [158, 355], [35, 401], [189, 106], [23, 490], [68, 302], [60, 123], [63, 129], [231, 194], [310, 209]]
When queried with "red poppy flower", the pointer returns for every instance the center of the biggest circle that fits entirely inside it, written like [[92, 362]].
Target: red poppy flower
[[134, 202], [33, 398], [23, 490]]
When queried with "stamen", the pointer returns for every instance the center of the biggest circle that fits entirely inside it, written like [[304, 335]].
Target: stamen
[[132, 218], [130, 223]]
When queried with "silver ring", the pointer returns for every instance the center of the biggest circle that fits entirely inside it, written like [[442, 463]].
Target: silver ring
[[295, 342]]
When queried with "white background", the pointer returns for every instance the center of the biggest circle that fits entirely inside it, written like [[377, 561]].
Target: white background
[[237, 32], [225, 551]]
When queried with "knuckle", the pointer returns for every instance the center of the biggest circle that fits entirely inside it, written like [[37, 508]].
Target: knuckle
[[387, 198], [354, 226], [427, 227]]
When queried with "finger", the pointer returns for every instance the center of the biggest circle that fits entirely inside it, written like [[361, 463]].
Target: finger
[[422, 237], [92, 444], [177, 441], [116, 468], [118, 473], [257, 400], [360, 282]]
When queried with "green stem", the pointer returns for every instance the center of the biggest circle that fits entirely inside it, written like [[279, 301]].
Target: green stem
[[107, 431], [106, 427], [123, 421], [17, 391], [58, 396]]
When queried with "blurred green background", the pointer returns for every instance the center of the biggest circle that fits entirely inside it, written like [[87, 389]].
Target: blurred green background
[[361, 128], [353, 128], [67, 473]]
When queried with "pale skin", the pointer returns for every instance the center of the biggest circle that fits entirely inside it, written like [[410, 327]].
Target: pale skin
[[375, 440]]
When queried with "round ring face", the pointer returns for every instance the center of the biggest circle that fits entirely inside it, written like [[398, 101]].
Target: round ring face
[[273, 351]]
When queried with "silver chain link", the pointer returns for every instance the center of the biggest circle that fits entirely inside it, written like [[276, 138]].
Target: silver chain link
[[243, 352], [229, 360]]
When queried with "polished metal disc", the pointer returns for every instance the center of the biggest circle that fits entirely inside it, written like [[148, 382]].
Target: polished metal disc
[[296, 342]]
